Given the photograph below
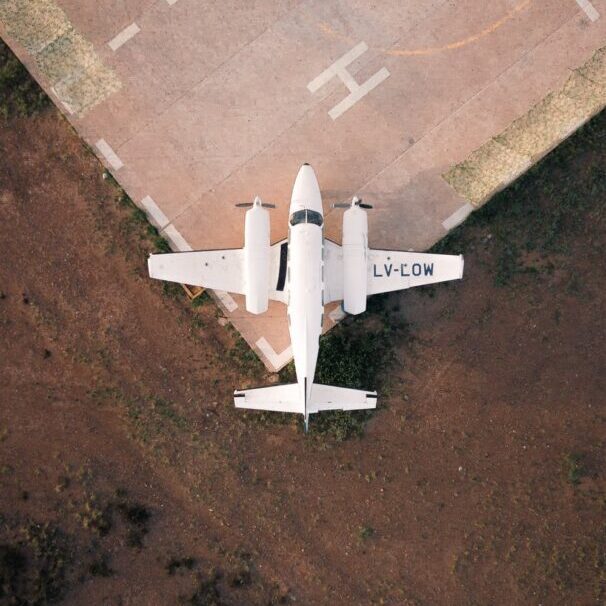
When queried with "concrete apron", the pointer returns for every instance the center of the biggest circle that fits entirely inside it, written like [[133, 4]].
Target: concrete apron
[[423, 108]]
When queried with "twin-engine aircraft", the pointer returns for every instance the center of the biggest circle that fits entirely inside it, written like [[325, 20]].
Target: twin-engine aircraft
[[306, 272]]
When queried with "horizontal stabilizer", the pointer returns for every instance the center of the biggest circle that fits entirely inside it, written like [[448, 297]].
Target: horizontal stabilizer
[[280, 398], [328, 397]]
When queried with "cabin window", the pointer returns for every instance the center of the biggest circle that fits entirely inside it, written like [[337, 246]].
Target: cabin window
[[306, 216]]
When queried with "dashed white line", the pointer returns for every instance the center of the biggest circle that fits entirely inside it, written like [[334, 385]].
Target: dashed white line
[[227, 300], [589, 9], [457, 217], [154, 212], [109, 154], [275, 359], [177, 240], [337, 314], [124, 36]]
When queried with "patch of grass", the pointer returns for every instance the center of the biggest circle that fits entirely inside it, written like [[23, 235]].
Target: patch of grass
[[96, 516], [366, 532], [207, 593], [358, 355], [201, 300], [172, 290], [137, 517], [543, 207], [247, 360], [175, 564], [35, 570], [575, 467], [101, 568], [20, 94], [166, 410], [12, 566], [137, 220]]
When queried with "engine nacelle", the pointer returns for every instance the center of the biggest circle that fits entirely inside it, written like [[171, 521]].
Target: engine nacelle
[[256, 259], [355, 249]]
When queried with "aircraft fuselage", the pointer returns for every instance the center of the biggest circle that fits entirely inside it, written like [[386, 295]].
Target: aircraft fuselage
[[305, 279]]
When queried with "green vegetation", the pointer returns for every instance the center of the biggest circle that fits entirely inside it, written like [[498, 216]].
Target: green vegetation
[[138, 220], [366, 532], [207, 592], [357, 353], [101, 568], [536, 211], [166, 410], [575, 467], [33, 571], [137, 516], [175, 564], [95, 516], [20, 94]]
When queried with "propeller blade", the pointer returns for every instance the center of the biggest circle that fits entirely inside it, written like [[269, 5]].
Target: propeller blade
[[267, 205], [341, 205], [364, 205], [244, 204]]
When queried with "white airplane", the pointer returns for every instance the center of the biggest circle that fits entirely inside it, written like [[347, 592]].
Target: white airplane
[[306, 272]]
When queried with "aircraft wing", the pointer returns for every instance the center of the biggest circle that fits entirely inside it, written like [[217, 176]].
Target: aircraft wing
[[390, 270], [214, 269], [219, 269]]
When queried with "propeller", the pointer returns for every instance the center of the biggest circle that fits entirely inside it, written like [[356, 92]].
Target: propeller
[[355, 201], [257, 202]]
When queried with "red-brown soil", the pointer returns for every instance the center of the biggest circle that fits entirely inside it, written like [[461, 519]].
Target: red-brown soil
[[480, 480]]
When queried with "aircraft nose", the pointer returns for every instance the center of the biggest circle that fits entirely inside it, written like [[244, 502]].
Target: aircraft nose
[[306, 191]]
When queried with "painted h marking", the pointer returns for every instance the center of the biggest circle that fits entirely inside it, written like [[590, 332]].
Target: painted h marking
[[589, 9], [356, 91]]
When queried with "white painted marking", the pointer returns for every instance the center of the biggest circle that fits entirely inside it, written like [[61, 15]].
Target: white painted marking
[[176, 239], [589, 9], [457, 217], [276, 360], [356, 95], [68, 108], [109, 154], [171, 2], [227, 300], [356, 91], [337, 314], [159, 219], [340, 64], [124, 36]]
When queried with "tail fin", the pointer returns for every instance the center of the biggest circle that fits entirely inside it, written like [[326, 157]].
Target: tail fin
[[328, 397]]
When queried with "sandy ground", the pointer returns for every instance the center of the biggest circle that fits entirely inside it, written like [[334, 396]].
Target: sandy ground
[[480, 479]]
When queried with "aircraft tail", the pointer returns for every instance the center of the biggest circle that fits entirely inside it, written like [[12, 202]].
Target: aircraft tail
[[329, 397], [279, 398], [288, 398]]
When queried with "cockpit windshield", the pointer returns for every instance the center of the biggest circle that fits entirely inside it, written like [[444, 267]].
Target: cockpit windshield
[[306, 216]]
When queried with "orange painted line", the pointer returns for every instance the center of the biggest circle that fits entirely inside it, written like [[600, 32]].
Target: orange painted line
[[396, 52]]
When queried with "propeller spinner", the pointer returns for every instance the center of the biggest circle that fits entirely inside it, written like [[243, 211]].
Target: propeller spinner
[[257, 202], [355, 201]]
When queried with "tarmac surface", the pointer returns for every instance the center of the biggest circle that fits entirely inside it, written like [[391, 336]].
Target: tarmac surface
[[423, 108]]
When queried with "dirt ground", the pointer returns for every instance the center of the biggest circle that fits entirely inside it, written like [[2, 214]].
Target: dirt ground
[[127, 477]]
